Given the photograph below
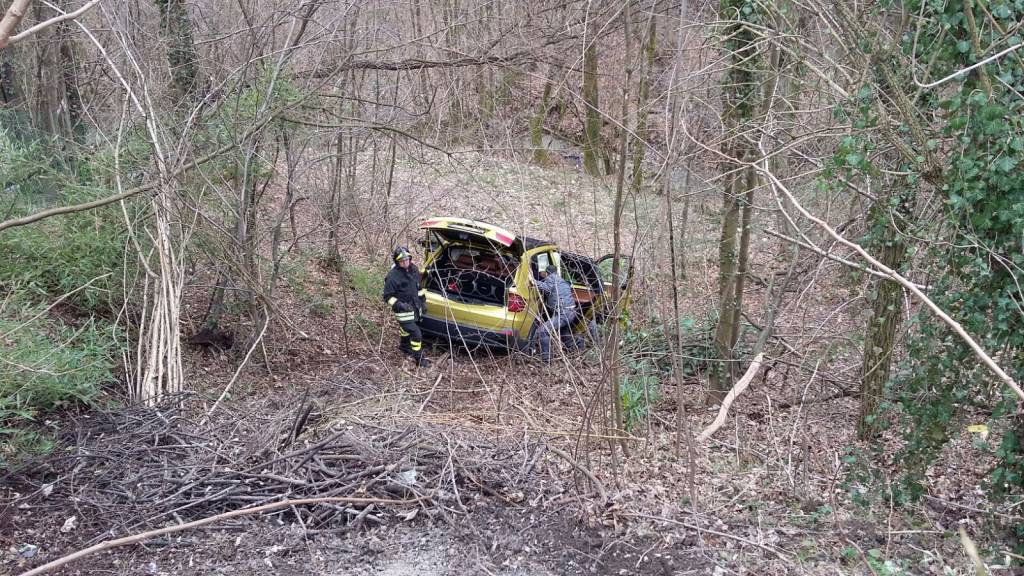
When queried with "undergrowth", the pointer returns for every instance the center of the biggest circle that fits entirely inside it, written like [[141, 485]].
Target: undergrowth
[[647, 357], [61, 289]]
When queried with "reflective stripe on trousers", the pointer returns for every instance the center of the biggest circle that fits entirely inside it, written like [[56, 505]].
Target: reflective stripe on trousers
[[410, 340]]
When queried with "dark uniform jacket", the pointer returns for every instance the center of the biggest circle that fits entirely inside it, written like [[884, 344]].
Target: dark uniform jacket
[[557, 294], [403, 286]]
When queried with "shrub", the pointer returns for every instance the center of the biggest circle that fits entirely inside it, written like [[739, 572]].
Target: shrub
[[46, 365], [57, 255], [367, 282], [646, 353], [54, 355], [639, 393]]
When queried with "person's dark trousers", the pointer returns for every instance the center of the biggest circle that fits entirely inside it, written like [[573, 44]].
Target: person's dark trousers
[[551, 329], [410, 340]]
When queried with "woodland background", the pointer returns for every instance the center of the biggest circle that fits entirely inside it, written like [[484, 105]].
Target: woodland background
[[198, 200]]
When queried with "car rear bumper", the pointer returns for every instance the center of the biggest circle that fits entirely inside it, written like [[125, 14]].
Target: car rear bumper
[[475, 336]]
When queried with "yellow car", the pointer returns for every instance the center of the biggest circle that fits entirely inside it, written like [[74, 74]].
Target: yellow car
[[480, 289]]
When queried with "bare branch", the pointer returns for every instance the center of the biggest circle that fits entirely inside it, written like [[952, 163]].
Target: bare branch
[[829, 255], [968, 69], [35, 217], [987, 360], [56, 20], [518, 57], [59, 210], [11, 20]]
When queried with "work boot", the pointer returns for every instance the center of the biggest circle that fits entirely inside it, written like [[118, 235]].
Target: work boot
[[421, 361]]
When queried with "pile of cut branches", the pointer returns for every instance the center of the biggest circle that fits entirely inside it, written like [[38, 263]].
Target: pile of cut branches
[[140, 467]]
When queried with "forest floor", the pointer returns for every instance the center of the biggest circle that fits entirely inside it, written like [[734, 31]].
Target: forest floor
[[493, 444]]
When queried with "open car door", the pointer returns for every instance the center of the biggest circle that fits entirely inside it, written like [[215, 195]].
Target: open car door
[[585, 278], [604, 266]]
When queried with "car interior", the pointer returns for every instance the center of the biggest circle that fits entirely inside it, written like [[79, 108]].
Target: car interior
[[472, 274]]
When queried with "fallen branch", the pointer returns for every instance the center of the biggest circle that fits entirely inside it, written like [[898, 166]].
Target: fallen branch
[[737, 389], [431, 394], [108, 544], [972, 552], [601, 492], [781, 555]]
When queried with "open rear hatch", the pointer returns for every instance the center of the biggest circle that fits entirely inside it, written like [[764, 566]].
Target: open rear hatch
[[469, 275], [471, 262], [470, 231]]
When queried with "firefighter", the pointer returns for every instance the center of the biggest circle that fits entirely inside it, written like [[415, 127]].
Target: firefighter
[[561, 308], [407, 300]]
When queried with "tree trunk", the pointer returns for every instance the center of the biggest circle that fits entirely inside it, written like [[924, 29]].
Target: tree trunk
[[592, 150], [181, 49], [612, 347], [540, 152], [739, 105], [743, 257], [683, 220], [69, 76], [211, 324], [10, 95], [886, 309], [49, 93], [457, 112], [637, 177], [16, 118], [728, 263], [334, 201]]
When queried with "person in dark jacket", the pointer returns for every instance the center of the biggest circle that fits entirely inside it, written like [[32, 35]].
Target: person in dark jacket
[[561, 307], [402, 292]]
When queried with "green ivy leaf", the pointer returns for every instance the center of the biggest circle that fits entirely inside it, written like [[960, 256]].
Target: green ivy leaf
[[1005, 164]]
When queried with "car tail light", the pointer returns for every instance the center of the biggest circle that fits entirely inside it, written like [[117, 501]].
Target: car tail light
[[516, 303]]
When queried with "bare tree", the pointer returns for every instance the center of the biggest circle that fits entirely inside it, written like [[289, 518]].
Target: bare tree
[[740, 104]]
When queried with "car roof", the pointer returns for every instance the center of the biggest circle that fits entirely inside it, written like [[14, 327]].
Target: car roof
[[531, 243]]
